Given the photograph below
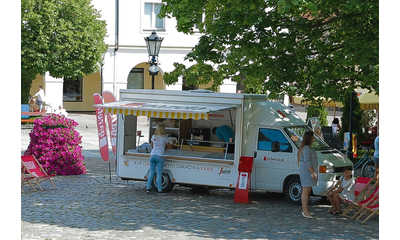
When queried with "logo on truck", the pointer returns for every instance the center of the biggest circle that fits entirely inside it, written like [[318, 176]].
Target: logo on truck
[[224, 172]]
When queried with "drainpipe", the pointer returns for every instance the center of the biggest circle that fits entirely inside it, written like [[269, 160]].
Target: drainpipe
[[116, 46]]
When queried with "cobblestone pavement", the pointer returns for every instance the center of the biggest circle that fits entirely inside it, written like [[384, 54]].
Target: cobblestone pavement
[[95, 206]]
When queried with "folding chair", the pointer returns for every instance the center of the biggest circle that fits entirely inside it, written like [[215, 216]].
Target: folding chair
[[32, 167], [372, 208], [361, 185], [367, 201], [27, 181]]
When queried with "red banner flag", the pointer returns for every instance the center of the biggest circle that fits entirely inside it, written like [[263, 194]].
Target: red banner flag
[[101, 127], [111, 119]]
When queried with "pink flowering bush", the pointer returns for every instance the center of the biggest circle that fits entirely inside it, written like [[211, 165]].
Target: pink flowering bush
[[56, 145]]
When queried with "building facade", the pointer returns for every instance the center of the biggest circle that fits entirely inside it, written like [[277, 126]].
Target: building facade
[[125, 64]]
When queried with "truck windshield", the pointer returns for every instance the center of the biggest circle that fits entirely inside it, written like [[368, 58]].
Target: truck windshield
[[296, 135]]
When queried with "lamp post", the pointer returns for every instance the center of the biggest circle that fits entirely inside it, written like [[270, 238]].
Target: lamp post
[[153, 43], [349, 152], [101, 72]]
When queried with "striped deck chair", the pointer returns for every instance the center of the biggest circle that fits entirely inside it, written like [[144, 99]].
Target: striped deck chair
[[27, 181], [368, 199], [32, 167], [372, 208], [361, 186]]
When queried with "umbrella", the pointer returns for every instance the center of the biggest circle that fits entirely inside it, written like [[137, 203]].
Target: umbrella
[[326, 103], [368, 100]]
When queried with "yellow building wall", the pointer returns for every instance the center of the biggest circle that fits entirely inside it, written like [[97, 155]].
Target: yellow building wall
[[35, 85], [91, 85]]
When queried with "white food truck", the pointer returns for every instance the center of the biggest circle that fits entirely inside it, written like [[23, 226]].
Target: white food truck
[[266, 130]]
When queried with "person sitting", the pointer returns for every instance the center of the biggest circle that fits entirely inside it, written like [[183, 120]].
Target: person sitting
[[61, 111], [343, 189]]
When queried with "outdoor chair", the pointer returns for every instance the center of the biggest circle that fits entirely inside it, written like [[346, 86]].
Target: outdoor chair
[[27, 181], [361, 186], [368, 202], [372, 208], [34, 169]]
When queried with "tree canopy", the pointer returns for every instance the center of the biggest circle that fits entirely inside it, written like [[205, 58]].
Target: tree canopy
[[310, 47], [62, 37]]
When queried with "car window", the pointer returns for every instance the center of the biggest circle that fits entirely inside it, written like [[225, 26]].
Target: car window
[[296, 135], [267, 136]]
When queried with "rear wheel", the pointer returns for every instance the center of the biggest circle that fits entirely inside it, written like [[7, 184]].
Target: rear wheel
[[368, 169], [166, 183], [294, 190]]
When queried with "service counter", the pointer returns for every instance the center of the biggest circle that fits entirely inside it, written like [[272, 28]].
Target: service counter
[[192, 152]]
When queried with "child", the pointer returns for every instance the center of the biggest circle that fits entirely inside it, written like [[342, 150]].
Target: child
[[343, 189]]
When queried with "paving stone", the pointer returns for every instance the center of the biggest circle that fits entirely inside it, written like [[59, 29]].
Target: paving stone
[[90, 207]]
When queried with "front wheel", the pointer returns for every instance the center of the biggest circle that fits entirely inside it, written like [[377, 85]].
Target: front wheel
[[368, 169], [294, 190], [166, 183]]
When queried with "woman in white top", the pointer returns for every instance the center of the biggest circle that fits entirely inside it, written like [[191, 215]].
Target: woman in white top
[[159, 142], [335, 126], [343, 189]]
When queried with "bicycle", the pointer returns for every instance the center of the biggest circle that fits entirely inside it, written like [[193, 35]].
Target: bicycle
[[368, 169], [367, 165], [32, 105]]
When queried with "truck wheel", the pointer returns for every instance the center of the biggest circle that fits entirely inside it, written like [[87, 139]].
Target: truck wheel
[[166, 183], [293, 191]]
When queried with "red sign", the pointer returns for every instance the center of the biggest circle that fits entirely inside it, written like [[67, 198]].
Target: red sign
[[112, 120], [101, 127]]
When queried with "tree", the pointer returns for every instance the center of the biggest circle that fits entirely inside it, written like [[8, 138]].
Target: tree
[[310, 47], [318, 111], [64, 38]]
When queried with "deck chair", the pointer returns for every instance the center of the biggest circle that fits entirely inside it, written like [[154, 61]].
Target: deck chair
[[32, 167], [371, 208], [362, 184], [368, 199], [27, 181]]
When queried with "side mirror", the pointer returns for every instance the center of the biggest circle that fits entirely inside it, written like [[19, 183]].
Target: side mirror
[[275, 146]]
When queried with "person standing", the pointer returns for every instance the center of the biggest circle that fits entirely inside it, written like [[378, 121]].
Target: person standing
[[335, 126], [159, 142], [224, 133], [376, 158], [41, 97], [308, 164]]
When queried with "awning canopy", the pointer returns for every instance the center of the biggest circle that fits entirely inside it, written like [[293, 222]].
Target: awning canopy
[[368, 100], [162, 110]]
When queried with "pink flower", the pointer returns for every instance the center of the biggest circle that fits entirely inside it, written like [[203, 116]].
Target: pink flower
[[55, 143]]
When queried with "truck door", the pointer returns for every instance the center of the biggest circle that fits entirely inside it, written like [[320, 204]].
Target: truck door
[[273, 160]]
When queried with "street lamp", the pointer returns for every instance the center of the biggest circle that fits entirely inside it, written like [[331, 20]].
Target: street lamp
[[153, 43], [101, 71]]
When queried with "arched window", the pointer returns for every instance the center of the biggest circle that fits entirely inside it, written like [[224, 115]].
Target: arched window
[[136, 78]]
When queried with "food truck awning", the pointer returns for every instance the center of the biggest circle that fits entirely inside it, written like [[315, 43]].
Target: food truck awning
[[163, 110]]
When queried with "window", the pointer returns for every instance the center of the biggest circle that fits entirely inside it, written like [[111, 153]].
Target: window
[[267, 136], [296, 135], [201, 20], [72, 89], [150, 19], [136, 79], [186, 87]]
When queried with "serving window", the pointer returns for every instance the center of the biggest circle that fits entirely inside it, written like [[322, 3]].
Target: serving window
[[194, 138]]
